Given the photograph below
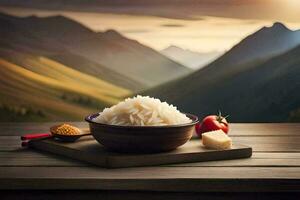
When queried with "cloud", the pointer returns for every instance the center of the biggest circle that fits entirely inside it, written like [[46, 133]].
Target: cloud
[[136, 31], [172, 25], [279, 10]]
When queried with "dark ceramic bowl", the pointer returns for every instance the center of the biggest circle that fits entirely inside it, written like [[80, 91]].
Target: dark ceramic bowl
[[141, 139]]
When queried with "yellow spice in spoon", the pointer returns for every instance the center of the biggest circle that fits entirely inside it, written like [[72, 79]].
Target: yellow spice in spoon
[[67, 129]]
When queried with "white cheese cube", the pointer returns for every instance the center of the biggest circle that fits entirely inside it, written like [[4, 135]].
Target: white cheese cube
[[216, 140]]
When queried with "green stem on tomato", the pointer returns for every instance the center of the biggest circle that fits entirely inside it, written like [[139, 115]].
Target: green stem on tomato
[[220, 118]]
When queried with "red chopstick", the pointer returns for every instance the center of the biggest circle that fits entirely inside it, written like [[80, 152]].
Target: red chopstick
[[35, 136]]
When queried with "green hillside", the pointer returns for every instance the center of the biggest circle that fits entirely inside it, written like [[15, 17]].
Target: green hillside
[[51, 91], [17, 55], [84, 65]]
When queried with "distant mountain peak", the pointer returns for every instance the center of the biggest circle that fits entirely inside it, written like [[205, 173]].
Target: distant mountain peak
[[267, 42], [54, 18], [59, 17], [189, 58], [279, 26], [173, 47], [113, 33], [59, 22], [276, 27]]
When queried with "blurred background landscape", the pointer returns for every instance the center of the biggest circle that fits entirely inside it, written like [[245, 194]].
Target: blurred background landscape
[[63, 59]]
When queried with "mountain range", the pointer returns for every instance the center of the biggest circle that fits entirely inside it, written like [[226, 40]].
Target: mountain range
[[54, 68], [59, 37], [264, 43], [192, 59], [256, 81]]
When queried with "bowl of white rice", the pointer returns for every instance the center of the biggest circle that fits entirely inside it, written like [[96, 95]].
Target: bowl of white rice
[[142, 124]]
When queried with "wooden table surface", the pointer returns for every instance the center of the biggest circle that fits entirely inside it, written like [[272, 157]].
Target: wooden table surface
[[274, 167]]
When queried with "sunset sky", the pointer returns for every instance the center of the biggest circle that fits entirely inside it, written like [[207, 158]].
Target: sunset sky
[[204, 26]]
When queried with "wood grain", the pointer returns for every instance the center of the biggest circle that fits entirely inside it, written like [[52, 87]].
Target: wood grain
[[229, 179], [87, 149], [274, 166], [35, 159], [236, 129], [265, 129], [258, 143]]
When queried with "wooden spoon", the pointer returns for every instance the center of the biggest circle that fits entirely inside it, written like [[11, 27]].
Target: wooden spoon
[[53, 133], [68, 138]]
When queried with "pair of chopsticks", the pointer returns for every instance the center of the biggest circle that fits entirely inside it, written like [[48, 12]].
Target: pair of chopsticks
[[27, 137]]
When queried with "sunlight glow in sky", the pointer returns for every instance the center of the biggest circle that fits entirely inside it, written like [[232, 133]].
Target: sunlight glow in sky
[[206, 34]]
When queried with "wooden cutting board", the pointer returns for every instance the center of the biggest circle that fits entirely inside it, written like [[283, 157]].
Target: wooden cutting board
[[89, 150]]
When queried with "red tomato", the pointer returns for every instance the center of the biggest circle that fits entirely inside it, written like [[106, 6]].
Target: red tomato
[[212, 123]]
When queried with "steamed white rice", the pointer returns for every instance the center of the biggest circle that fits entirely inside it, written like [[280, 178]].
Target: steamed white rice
[[142, 111]]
